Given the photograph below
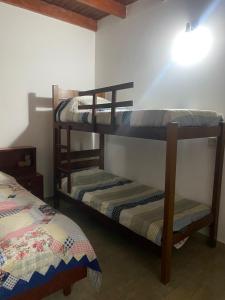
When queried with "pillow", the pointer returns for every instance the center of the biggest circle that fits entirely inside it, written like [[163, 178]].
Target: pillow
[[6, 179]]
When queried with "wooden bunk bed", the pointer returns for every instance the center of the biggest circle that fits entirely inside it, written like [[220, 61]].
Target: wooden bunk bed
[[64, 163]]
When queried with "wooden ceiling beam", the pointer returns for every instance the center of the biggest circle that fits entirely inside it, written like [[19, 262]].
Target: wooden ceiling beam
[[108, 6], [55, 11]]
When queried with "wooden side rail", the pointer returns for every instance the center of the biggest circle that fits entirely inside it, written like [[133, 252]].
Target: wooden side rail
[[193, 227]]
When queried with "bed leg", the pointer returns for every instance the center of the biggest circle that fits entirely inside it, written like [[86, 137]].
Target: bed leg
[[67, 291], [166, 261], [217, 185], [56, 202], [170, 183], [102, 150]]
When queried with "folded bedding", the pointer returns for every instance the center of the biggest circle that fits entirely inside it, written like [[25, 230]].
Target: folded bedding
[[138, 207], [37, 242], [68, 111]]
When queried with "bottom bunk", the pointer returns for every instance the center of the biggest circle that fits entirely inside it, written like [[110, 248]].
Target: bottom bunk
[[138, 207]]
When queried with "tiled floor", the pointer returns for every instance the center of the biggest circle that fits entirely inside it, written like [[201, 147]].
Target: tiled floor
[[132, 273]]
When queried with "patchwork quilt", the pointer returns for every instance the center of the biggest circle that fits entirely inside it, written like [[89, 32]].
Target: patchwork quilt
[[137, 207], [37, 242]]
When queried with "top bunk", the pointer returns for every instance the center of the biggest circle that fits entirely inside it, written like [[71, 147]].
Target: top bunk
[[90, 111]]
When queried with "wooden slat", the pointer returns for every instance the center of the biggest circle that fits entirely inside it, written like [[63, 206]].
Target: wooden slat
[[193, 227], [153, 133], [190, 132], [76, 126], [108, 6], [61, 146], [81, 154], [107, 105], [79, 165], [55, 11], [117, 87]]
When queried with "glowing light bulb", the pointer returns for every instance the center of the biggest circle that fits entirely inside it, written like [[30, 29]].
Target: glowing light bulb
[[192, 46]]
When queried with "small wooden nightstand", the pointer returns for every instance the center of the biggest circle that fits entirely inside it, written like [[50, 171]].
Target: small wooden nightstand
[[32, 183], [20, 162]]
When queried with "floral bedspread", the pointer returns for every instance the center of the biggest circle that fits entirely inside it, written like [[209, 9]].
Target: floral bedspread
[[37, 242]]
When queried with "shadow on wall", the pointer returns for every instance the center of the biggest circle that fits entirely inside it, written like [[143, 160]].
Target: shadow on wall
[[39, 133]]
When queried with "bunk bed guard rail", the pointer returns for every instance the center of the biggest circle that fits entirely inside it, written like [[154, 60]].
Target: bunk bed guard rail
[[111, 105]]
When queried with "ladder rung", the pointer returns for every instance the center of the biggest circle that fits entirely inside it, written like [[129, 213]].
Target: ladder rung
[[64, 170], [61, 146]]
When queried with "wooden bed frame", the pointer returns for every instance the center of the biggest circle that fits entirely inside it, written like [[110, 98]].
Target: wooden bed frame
[[62, 281], [64, 163]]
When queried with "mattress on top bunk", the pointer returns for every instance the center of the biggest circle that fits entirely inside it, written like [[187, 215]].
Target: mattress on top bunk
[[138, 207], [68, 111]]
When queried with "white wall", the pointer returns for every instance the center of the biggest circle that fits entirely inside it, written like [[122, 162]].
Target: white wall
[[36, 52], [139, 49]]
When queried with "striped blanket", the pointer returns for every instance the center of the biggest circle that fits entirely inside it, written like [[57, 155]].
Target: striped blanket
[[136, 206]]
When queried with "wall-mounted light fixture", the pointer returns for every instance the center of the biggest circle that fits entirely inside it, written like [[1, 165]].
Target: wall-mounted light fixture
[[192, 45]]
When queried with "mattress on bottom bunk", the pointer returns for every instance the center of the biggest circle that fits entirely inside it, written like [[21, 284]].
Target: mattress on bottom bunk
[[68, 112], [136, 206], [37, 242]]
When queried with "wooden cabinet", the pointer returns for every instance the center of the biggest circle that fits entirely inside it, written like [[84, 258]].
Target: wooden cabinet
[[32, 183], [20, 162]]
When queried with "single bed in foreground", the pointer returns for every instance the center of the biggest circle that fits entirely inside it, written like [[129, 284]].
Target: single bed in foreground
[[41, 250]]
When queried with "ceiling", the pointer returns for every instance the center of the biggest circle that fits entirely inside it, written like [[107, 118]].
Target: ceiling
[[84, 13]]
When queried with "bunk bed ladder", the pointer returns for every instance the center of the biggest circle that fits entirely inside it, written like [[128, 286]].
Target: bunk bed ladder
[[68, 131], [57, 151], [67, 170]]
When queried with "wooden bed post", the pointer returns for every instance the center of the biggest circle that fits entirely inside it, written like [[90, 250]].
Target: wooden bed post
[[68, 130], [55, 92], [170, 183], [102, 151], [218, 173]]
